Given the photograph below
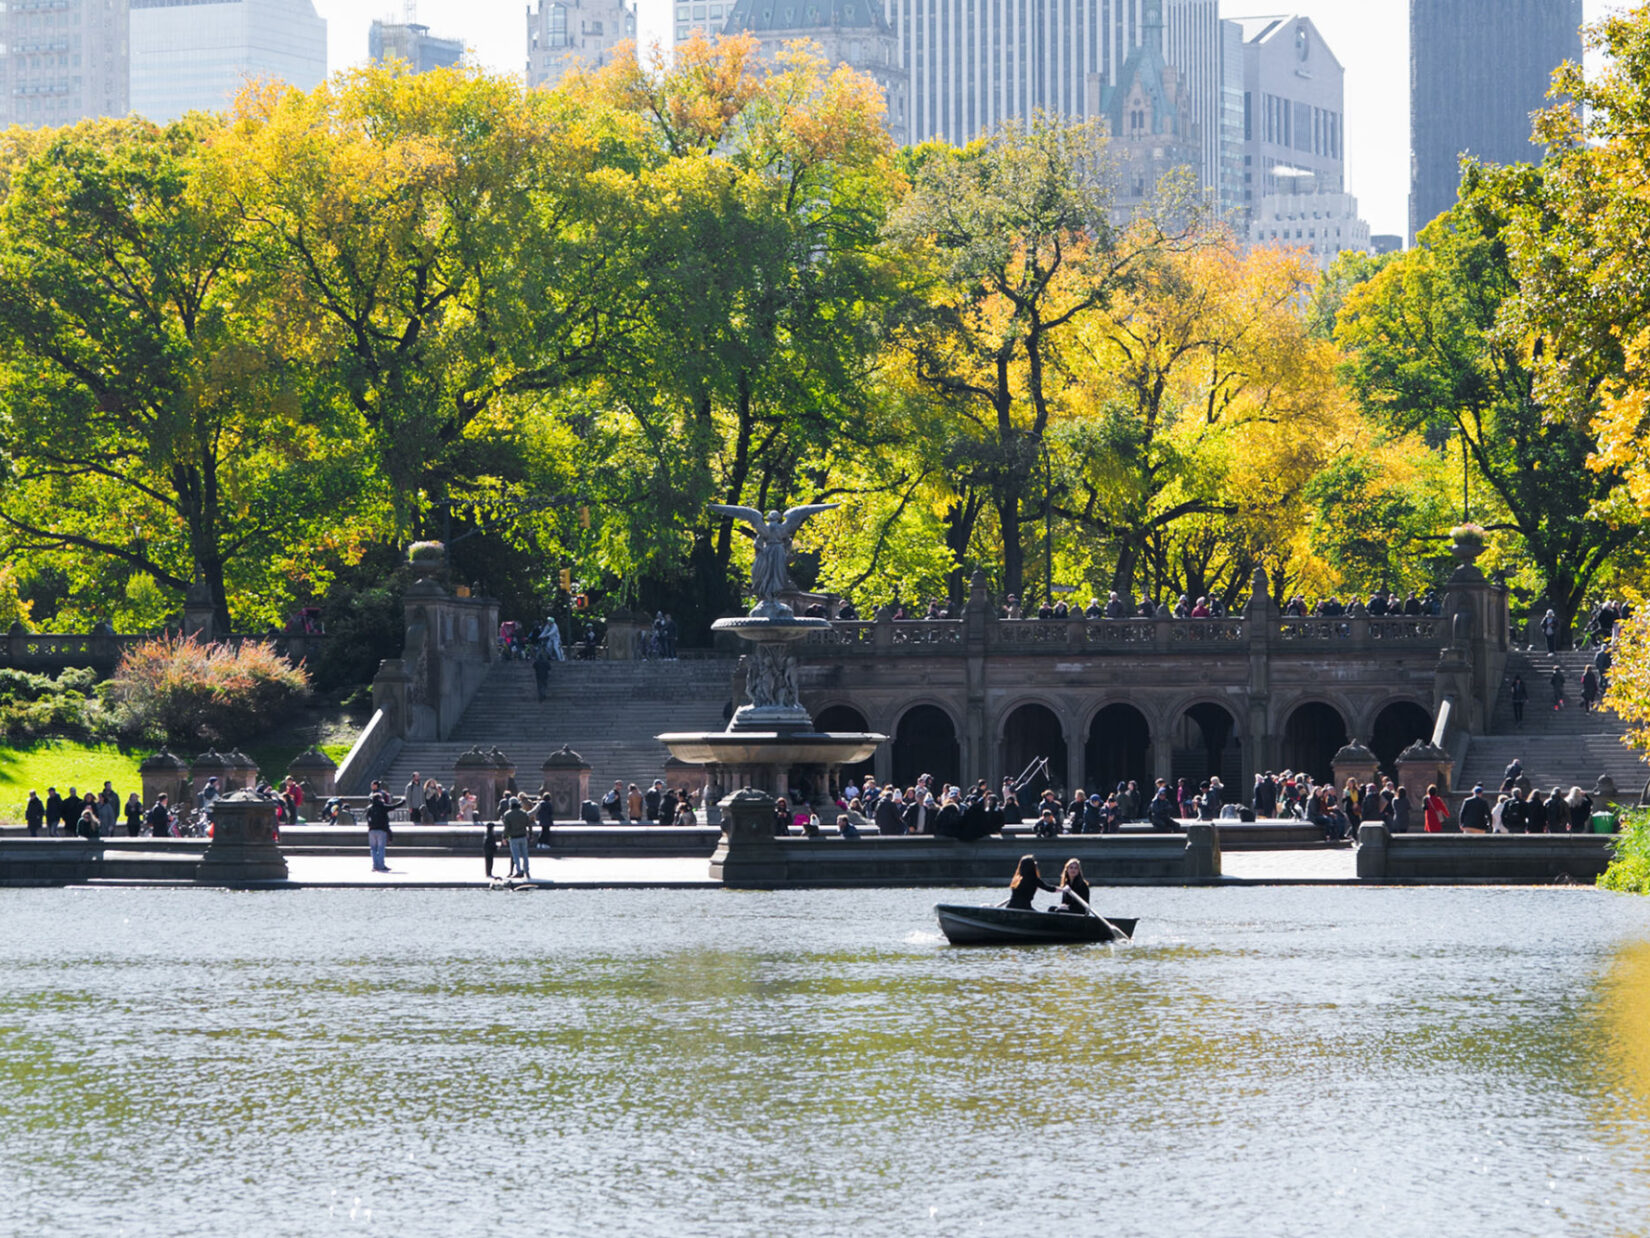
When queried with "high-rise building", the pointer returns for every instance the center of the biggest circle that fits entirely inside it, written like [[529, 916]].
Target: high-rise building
[[851, 32], [1230, 178], [1322, 224], [565, 33], [1477, 69], [62, 61], [413, 45], [196, 55], [1293, 109], [976, 63], [1148, 113], [710, 19]]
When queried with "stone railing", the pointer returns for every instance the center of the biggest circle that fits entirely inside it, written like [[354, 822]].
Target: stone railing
[[101, 648], [1080, 634]]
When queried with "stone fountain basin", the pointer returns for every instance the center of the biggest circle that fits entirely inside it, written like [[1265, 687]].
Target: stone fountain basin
[[763, 628], [772, 747]]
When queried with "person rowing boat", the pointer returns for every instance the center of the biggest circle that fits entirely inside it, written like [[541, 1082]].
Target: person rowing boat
[[1027, 881]]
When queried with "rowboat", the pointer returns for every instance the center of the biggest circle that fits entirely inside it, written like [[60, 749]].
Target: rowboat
[[1004, 926]]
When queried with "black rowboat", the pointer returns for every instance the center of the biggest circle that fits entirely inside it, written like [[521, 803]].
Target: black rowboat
[[1004, 926]]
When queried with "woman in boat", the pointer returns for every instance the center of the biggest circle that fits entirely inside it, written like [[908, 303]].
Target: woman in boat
[[1074, 889], [1027, 881]]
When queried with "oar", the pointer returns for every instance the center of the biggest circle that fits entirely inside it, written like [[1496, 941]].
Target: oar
[[1078, 899]]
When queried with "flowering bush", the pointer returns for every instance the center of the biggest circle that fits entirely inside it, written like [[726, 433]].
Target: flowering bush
[[184, 691]]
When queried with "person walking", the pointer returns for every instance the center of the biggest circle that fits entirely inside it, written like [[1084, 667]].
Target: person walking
[[517, 825], [545, 811], [1475, 813], [1433, 811], [1549, 629], [1519, 694], [54, 812], [1589, 688], [34, 815], [1557, 680], [134, 815], [541, 673], [160, 817]]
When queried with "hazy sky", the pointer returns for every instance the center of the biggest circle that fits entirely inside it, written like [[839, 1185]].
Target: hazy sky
[[1370, 37]]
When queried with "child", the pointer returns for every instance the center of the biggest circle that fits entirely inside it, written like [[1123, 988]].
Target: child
[[489, 849]]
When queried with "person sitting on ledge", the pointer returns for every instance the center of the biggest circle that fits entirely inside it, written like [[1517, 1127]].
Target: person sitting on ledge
[[1074, 889], [1027, 881]]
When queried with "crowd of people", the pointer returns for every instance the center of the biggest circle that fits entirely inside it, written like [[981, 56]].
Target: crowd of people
[[102, 814]]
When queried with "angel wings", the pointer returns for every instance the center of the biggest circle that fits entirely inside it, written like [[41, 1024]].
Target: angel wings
[[773, 534]]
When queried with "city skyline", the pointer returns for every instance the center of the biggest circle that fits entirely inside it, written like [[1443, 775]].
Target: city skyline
[[1371, 40]]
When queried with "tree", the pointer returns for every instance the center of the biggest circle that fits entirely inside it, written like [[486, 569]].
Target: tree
[[1427, 356], [151, 431], [760, 205], [1011, 245]]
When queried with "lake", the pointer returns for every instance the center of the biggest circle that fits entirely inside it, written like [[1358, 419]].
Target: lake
[[1259, 1061]]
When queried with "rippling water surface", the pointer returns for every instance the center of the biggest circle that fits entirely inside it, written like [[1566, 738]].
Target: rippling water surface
[[1257, 1062]]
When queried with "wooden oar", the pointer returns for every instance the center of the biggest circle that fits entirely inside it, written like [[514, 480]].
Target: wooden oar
[[1078, 899]]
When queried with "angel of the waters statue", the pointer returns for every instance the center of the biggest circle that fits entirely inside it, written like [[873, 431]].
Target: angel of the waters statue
[[773, 532]]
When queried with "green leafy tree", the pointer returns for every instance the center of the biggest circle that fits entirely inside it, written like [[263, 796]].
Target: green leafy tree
[[1426, 355]]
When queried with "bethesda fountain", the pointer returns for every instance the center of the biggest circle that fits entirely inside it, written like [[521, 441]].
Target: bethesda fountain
[[771, 734]]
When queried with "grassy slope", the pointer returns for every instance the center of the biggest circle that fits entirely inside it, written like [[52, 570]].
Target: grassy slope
[[62, 763]]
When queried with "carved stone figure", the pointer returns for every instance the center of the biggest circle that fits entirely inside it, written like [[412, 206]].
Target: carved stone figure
[[769, 577]]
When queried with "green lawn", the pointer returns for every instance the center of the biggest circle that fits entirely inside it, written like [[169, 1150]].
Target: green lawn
[[62, 763]]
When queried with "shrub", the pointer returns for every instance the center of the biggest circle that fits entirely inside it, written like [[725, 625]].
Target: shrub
[[426, 552], [1630, 870], [1467, 535], [32, 706], [184, 691]]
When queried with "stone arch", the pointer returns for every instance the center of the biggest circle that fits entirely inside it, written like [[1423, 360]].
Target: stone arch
[[925, 742], [1397, 725], [1314, 731], [849, 718], [1204, 741], [1117, 746], [1031, 730]]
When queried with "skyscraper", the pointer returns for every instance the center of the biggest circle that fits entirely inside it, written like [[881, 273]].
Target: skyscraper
[[976, 63], [851, 32], [1293, 109], [1150, 119], [62, 60], [1477, 69], [413, 44], [582, 32], [195, 55]]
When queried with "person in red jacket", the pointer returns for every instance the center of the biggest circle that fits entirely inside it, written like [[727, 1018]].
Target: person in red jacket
[[1434, 811]]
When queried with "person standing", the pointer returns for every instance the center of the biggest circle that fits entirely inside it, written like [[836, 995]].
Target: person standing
[[1475, 813], [134, 815], [1433, 811], [34, 815], [414, 799], [545, 811], [1519, 694], [1401, 811], [160, 817], [378, 828], [1557, 680], [489, 849], [517, 824], [108, 809], [1549, 630], [634, 804], [613, 803], [54, 812], [541, 672]]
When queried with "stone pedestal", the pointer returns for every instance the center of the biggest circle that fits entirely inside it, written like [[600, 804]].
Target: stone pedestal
[[243, 850], [240, 771], [566, 780], [1422, 765], [474, 771], [1355, 761], [748, 854], [164, 774], [316, 773]]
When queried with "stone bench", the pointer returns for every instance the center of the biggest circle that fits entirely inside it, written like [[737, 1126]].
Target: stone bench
[[1502, 859]]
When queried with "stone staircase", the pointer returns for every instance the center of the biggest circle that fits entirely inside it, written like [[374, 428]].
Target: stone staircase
[[608, 712], [1566, 747]]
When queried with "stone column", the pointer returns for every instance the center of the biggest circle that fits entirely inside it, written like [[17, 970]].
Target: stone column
[[316, 773], [243, 850], [164, 774], [566, 780], [1355, 761]]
